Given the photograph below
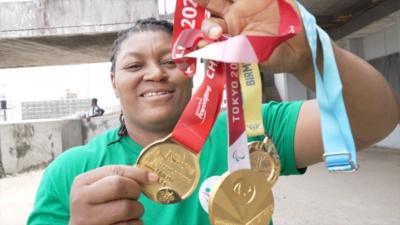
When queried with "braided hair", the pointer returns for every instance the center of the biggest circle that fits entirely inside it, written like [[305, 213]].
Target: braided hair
[[142, 25], [149, 24]]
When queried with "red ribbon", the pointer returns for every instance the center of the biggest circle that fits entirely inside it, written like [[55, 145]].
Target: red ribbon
[[201, 112]]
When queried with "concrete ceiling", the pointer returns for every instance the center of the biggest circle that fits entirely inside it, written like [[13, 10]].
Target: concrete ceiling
[[344, 17], [339, 17]]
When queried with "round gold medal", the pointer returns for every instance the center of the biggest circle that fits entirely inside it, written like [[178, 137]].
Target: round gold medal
[[265, 159], [241, 197], [177, 167]]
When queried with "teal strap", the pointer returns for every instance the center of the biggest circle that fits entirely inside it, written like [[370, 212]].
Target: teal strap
[[339, 148]]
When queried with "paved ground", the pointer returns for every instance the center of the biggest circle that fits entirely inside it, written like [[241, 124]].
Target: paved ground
[[17, 195], [369, 197]]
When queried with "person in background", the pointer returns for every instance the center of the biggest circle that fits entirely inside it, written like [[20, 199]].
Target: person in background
[[95, 110], [97, 183]]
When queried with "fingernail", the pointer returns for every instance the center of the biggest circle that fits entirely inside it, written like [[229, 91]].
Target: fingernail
[[214, 32], [152, 177]]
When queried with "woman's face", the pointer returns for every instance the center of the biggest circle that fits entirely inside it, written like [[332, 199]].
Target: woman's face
[[153, 92]]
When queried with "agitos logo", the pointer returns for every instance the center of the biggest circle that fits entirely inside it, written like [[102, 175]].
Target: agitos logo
[[237, 157], [253, 126]]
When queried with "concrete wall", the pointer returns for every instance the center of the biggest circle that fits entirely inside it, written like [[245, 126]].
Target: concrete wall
[[382, 43], [289, 88], [25, 146], [29, 145], [97, 125]]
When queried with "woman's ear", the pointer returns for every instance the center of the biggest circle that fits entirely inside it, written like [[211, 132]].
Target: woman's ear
[[116, 92]]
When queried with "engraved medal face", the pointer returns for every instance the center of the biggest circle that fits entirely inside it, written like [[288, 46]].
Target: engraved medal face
[[241, 197], [177, 167], [265, 159]]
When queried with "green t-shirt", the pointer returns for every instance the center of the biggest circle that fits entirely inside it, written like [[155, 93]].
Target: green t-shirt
[[52, 199]]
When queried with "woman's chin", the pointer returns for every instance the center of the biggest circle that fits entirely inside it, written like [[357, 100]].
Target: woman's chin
[[162, 122]]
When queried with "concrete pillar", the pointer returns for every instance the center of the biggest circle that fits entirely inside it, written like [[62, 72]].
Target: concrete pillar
[[289, 88]]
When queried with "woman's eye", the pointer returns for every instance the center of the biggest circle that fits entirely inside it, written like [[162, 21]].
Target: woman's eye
[[169, 63], [133, 67]]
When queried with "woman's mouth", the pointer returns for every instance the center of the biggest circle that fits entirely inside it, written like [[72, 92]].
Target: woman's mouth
[[155, 94]]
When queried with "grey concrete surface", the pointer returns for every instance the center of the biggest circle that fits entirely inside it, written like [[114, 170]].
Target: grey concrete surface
[[371, 196], [37, 18], [98, 125], [64, 31], [31, 144], [17, 195]]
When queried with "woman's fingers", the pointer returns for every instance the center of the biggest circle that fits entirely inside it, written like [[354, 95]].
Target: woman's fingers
[[213, 28], [108, 195], [119, 210], [111, 188], [217, 8], [130, 222], [140, 175]]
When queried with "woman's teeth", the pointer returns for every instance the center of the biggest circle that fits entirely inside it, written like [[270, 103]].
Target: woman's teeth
[[151, 94]]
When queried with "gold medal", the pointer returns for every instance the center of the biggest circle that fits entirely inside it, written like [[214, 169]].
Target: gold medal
[[177, 167], [265, 159], [241, 197]]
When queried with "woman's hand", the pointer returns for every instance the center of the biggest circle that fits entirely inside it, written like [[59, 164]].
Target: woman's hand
[[108, 195], [255, 17]]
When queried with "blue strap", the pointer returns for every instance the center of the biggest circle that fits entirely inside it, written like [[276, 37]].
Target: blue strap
[[339, 148]]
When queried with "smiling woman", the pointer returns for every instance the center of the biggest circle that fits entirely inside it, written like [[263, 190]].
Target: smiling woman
[[97, 184], [152, 90]]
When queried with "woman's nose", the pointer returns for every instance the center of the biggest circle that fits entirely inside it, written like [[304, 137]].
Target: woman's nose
[[155, 73]]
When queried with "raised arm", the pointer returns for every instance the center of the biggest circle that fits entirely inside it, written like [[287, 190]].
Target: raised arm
[[370, 103], [369, 100]]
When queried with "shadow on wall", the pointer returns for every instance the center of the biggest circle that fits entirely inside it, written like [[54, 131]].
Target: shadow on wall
[[34, 144]]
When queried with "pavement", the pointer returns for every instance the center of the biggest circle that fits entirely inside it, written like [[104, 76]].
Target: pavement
[[370, 196]]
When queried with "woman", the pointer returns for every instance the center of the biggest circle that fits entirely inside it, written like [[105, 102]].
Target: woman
[[86, 186]]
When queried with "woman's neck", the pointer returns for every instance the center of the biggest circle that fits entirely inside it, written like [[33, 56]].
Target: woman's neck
[[145, 137]]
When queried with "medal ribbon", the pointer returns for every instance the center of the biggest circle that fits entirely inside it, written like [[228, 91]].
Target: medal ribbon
[[188, 15], [250, 83], [240, 48], [238, 153], [201, 112], [247, 49], [339, 148]]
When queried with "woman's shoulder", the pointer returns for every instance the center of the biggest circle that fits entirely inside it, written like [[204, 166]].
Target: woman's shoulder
[[80, 159], [103, 139]]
